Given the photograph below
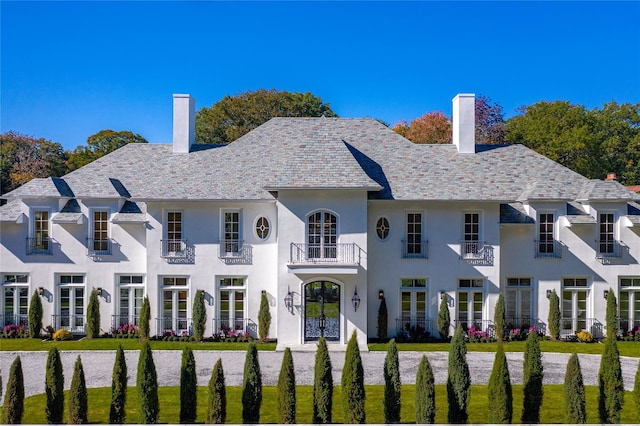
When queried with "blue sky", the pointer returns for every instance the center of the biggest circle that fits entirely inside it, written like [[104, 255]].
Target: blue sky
[[71, 69]]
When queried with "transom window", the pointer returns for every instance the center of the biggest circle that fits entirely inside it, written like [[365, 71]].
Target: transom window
[[262, 228], [473, 282], [519, 282], [414, 282], [174, 281], [231, 282], [15, 279], [630, 282], [575, 282], [382, 228]]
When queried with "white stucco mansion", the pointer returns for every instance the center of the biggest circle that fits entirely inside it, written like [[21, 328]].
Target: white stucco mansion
[[325, 215]]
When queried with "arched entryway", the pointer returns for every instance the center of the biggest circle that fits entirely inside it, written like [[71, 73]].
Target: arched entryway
[[321, 311]]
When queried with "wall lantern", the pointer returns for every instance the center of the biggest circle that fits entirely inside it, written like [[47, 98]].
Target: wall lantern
[[99, 291], [288, 301], [40, 291], [355, 300], [548, 294], [606, 294], [381, 294]]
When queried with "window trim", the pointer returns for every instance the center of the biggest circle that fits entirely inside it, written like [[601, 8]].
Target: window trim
[[387, 229], [268, 226]]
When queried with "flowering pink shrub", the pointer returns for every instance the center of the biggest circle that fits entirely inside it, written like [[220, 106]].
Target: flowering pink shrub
[[13, 331], [125, 330]]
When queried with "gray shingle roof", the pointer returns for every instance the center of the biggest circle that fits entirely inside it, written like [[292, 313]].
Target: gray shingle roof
[[12, 212], [70, 213], [131, 213], [326, 153]]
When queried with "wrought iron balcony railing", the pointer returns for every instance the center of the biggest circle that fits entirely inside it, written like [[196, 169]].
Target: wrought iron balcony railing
[[570, 326], [231, 249], [39, 245], [174, 249], [608, 249], [168, 326], [473, 250], [72, 322], [548, 249], [101, 247], [413, 326], [525, 323], [232, 327], [118, 321], [415, 249], [477, 328], [339, 253], [14, 319]]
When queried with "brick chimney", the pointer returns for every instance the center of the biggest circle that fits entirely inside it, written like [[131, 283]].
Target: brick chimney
[[184, 123], [612, 176], [464, 123]]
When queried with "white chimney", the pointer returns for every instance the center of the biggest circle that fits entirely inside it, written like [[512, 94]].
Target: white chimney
[[184, 123], [464, 123]]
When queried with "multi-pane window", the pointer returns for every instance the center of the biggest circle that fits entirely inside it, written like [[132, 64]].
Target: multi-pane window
[[175, 305], [232, 231], [546, 239], [131, 294], [322, 235], [382, 228], [575, 298], [518, 303], [39, 242], [231, 304], [71, 294], [606, 244], [629, 304], [471, 245], [99, 243], [413, 304], [15, 292], [262, 228], [470, 303], [414, 234]]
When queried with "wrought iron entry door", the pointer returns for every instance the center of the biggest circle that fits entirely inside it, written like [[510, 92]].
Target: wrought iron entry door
[[322, 311]]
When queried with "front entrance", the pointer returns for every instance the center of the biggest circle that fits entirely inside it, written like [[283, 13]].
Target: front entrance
[[321, 311]]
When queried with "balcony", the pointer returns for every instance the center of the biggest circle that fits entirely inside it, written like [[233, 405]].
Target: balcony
[[338, 253], [14, 319], [570, 326], [608, 249], [101, 247], [174, 249], [475, 250], [512, 322], [118, 321], [415, 249], [39, 246], [225, 327], [475, 329], [73, 323], [413, 328], [548, 249], [168, 326]]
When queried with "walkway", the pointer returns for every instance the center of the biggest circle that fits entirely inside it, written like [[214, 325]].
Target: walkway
[[98, 366]]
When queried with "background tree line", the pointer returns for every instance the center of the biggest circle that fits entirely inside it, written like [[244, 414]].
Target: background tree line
[[590, 142]]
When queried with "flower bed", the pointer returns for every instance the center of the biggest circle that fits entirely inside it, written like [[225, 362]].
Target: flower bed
[[12, 331]]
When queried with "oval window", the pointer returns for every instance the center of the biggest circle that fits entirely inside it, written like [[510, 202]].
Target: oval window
[[382, 228], [262, 228]]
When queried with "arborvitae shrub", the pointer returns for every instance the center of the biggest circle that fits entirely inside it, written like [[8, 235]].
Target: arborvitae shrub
[[533, 373], [499, 390], [444, 318], [188, 387], [35, 315], [145, 318], [392, 400], [611, 388], [287, 390], [458, 379], [199, 315], [383, 319], [78, 405], [353, 394], [636, 393], [117, 412], [611, 318], [425, 398], [54, 388], [554, 316], [147, 384], [322, 385], [13, 408], [574, 395], [217, 407], [251, 387], [498, 319], [93, 315], [264, 318]]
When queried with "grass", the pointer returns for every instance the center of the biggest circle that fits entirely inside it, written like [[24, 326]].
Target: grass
[[552, 410]]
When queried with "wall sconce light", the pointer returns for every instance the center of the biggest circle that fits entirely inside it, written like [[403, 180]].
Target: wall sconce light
[[606, 294], [288, 301], [99, 291], [40, 291], [381, 294], [355, 300], [548, 294]]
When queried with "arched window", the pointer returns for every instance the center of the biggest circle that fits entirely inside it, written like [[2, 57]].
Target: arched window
[[322, 235]]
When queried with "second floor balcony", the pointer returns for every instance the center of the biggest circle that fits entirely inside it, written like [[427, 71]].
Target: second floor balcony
[[313, 254], [39, 246], [98, 247], [548, 249], [608, 249], [174, 249], [474, 250]]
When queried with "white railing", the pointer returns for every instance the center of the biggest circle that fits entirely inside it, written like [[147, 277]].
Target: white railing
[[342, 253]]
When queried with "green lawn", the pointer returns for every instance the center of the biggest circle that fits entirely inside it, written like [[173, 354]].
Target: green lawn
[[552, 407]]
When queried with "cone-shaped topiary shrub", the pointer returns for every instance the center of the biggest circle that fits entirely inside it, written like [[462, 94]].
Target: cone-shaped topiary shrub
[[636, 393], [93, 315], [35, 315], [188, 387], [425, 399], [499, 391], [554, 316], [145, 317], [533, 373], [353, 394], [392, 401], [117, 411], [383, 318], [574, 395], [54, 388], [147, 384], [78, 405], [264, 318], [217, 407], [13, 408], [287, 390], [444, 318], [199, 316], [498, 319], [611, 318], [251, 387], [322, 385], [611, 388], [458, 379]]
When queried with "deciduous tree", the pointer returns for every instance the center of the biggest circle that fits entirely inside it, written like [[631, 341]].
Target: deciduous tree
[[432, 127], [100, 144]]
